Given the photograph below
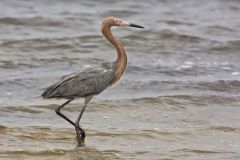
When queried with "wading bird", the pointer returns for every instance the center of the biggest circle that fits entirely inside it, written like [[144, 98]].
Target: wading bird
[[93, 80]]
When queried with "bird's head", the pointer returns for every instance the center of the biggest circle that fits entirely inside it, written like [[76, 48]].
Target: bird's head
[[113, 21]]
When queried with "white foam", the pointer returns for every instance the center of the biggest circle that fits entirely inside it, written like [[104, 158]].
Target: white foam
[[186, 66], [226, 68], [225, 63], [105, 117], [235, 73], [165, 115], [188, 63]]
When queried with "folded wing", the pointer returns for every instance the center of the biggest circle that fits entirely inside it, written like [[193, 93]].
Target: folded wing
[[81, 84]]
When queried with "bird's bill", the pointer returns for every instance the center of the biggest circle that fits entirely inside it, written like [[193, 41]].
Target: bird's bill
[[125, 23], [135, 25]]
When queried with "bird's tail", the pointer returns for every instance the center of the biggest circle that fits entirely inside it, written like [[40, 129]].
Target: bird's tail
[[48, 92]]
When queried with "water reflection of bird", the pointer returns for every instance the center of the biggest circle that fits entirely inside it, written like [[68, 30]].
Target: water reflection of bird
[[91, 81]]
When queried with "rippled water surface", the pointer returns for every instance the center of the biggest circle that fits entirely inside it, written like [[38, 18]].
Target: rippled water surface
[[178, 100]]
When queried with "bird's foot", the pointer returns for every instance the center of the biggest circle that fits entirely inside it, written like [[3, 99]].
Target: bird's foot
[[80, 136]]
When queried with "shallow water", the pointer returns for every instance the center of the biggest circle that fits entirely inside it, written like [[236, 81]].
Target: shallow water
[[179, 98]]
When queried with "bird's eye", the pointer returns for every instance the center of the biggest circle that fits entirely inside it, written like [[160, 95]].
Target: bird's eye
[[116, 20]]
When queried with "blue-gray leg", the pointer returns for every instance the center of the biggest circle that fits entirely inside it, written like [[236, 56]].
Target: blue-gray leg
[[58, 109], [80, 135]]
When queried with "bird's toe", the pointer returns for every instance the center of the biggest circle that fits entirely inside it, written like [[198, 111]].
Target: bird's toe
[[80, 136]]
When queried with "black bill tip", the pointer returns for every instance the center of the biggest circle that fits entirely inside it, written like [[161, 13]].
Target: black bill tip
[[135, 25]]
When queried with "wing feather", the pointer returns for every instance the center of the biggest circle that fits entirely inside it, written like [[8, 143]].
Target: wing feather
[[80, 84]]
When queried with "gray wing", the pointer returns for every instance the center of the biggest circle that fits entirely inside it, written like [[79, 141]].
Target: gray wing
[[81, 84]]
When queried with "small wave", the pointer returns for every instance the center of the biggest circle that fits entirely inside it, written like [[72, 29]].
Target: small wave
[[217, 28], [32, 21], [172, 35], [200, 151], [53, 43], [3, 129], [135, 37], [128, 135], [5, 64], [31, 153], [132, 68], [119, 13], [186, 100], [37, 43], [220, 85], [170, 134], [175, 22], [232, 46], [22, 109], [224, 129], [75, 154], [83, 153]]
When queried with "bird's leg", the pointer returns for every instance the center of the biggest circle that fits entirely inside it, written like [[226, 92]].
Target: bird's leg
[[57, 110], [81, 135]]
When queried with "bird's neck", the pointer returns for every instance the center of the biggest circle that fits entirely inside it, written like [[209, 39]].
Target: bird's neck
[[121, 62]]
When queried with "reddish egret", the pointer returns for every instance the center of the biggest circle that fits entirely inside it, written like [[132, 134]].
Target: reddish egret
[[93, 80]]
